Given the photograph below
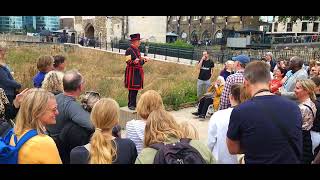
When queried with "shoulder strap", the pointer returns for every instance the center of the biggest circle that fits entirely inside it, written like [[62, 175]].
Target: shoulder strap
[[310, 110], [26, 137], [8, 136], [282, 130]]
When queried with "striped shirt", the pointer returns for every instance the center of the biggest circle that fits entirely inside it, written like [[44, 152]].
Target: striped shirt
[[135, 132], [232, 79]]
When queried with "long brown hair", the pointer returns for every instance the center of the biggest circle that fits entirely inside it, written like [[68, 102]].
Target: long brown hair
[[160, 126], [105, 115]]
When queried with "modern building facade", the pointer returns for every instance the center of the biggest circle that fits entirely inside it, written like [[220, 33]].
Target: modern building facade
[[10, 24], [51, 23]]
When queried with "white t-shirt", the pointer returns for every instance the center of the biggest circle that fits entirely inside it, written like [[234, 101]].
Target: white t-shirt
[[217, 135], [135, 132]]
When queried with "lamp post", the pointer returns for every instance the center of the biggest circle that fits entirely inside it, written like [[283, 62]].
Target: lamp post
[[189, 21], [178, 25]]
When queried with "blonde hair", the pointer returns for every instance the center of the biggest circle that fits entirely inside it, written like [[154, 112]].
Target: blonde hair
[[160, 126], [53, 81], [105, 115], [44, 62], [189, 131], [148, 102], [309, 86], [33, 106]]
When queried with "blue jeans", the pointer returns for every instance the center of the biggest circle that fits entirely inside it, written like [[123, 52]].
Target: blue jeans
[[200, 85]]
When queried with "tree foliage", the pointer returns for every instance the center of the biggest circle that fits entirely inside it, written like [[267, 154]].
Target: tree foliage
[[296, 18]]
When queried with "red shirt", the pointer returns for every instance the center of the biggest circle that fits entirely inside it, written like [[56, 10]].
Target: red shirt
[[274, 85]]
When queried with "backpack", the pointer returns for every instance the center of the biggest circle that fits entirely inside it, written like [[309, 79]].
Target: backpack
[[8, 153], [177, 153]]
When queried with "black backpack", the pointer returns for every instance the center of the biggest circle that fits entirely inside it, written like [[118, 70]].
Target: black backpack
[[177, 153]]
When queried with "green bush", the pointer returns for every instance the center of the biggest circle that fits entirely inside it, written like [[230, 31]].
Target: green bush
[[184, 92]]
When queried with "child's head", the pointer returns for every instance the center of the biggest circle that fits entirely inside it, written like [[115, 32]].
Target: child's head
[[189, 131], [45, 63]]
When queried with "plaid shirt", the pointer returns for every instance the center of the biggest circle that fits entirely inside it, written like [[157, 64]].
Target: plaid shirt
[[232, 79]]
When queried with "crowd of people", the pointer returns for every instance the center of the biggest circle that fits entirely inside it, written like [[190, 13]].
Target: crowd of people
[[265, 112], [277, 99]]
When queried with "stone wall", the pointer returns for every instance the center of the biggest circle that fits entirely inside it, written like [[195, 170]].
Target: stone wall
[[152, 28]]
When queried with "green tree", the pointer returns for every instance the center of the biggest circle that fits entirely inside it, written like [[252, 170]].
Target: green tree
[[296, 18]]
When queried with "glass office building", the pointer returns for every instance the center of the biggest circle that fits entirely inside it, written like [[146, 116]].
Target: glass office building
[[51, 23], [22, 23], [10, 24], [29, 22]]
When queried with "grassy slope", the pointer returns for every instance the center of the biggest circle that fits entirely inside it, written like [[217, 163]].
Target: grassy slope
[[104, 72]]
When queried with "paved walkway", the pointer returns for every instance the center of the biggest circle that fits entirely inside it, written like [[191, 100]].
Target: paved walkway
[[202, 126]]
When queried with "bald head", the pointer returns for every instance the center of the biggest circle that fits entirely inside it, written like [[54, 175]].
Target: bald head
[[72, 80]]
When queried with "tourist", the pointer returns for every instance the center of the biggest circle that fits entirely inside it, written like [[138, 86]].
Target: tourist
[[104, 148], [205, 65], [44, 65], [227, 70], [314, 72], [275, 83], [315, 130], [312, 63], [8, 112], [211, 97], [218, 126], [38, 109], [161, 127], [270, 60], [53, 82], [134, 75], [304, 91], [239, 65], [59, 63], [70, 112], [7, 82], [296, 73], [267, 127], [88, 100], [148, 102]]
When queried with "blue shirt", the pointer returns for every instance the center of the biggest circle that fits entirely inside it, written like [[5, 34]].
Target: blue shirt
[[261, 139], [38, 78]]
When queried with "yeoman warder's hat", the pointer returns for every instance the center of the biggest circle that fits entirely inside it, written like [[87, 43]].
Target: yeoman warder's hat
[[135, 37]]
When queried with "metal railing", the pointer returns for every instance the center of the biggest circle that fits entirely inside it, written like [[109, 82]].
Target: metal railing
[[296, 39]]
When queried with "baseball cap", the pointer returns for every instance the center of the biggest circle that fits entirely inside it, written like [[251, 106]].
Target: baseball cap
[[243, 59]]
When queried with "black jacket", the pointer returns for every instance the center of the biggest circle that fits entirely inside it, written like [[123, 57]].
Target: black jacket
[[316, 122], [71, 136]]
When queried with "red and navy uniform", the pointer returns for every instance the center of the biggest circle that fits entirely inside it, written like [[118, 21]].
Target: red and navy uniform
[[134, 75]]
